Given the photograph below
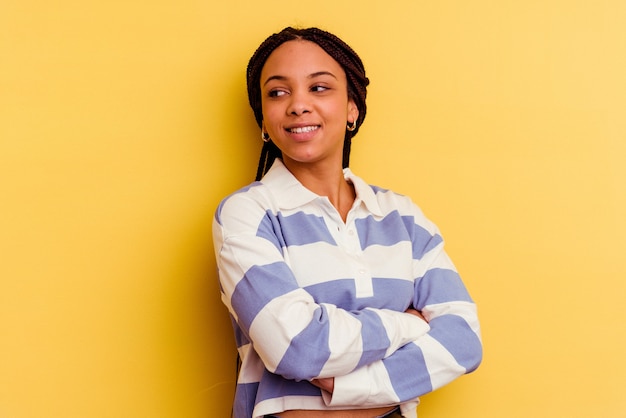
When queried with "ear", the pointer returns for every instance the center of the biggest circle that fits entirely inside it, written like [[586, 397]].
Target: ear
[[353, 111]]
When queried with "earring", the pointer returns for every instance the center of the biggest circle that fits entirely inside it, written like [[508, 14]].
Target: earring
[[351, 127], [265, 136]]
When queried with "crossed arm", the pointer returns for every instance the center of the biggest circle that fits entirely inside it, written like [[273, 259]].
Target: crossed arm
[[328, 383]]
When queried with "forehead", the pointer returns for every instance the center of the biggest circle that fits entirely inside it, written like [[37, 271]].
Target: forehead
[[300, 58]]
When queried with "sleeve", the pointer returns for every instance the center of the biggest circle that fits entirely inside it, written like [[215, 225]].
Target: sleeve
[[294, 336], [451, 348]]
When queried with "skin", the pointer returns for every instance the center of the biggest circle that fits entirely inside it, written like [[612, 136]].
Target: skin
[[306, 109]]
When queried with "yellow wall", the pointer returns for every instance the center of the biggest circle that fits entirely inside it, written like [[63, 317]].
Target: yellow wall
[[122, 124]]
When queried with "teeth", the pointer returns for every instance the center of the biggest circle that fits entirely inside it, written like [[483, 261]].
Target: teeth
[[302, 129]]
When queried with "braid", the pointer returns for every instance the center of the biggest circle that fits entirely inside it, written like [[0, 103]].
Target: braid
[[269, 153], [339, 51]]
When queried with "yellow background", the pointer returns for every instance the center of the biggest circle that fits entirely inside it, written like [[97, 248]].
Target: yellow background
[[123, 123]]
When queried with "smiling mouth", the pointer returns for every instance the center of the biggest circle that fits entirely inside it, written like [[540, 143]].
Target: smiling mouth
[[303, 129]]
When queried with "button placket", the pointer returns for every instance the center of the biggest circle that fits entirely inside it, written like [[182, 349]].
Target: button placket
[[352, 239], [363, 283], [362, 275]]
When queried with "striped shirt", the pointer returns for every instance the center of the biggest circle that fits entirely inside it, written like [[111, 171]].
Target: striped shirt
[[312, 296]]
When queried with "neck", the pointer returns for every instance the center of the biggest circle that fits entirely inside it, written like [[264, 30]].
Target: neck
[[326, 181]]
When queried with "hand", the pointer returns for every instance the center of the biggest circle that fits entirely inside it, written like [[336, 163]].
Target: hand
[[415, 312], [327, 384]]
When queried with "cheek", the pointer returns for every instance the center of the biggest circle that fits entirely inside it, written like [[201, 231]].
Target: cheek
[[270, 112], [272, 119], [339, 111]]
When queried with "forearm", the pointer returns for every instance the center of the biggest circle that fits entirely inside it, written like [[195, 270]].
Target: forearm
[[285, 324], [450, 349]]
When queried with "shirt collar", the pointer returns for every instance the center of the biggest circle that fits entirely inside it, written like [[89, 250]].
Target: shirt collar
[[287, 190], [364, 192], [291, 194]]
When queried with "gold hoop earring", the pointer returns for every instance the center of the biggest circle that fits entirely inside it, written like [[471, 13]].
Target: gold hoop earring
[[351, 127], [265, 136]]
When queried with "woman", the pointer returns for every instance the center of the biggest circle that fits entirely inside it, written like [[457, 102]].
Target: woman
[[344, 303]]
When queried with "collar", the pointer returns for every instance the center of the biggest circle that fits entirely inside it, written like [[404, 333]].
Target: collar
[[364, 192], [291, 194]]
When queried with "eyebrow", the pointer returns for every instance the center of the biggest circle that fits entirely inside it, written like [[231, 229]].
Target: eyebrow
[[313, 75]]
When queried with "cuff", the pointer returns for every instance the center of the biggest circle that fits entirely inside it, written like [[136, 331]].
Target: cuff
[[368, 385]]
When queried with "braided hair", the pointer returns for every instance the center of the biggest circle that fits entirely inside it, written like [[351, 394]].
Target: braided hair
[[339, 51]]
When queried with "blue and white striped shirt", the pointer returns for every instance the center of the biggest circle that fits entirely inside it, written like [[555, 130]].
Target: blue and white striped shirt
[[312, 296]]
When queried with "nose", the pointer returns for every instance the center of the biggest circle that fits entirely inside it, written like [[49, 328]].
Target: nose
[[299, 103]]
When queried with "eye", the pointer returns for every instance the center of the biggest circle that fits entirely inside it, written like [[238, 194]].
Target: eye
[[319, 88], [276, 93]]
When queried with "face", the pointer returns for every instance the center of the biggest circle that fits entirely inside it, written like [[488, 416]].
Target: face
[[304, 97]]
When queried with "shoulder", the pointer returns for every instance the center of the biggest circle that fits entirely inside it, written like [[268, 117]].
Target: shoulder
[[381, 201], [251, 201], [392, 201], [394, 204]]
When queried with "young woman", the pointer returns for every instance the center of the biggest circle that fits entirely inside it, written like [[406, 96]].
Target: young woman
[[344, 302]]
